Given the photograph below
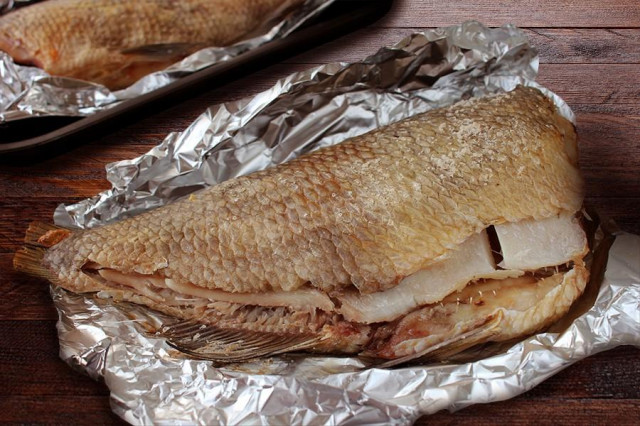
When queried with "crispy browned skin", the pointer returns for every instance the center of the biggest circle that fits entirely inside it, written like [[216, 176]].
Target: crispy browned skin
[[364, 213], [97, 40]]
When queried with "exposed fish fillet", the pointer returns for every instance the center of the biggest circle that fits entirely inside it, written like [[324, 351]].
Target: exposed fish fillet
[[526, 245], [534, 244], [148, 286], [525, 305], [115, 42], [301, 299], [470, 261]]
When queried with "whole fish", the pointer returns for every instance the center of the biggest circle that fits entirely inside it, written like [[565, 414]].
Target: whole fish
[[116, 42], [447, 229]]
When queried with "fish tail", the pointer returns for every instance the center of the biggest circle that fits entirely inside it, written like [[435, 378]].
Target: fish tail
[[41, 234], [38, 238], [29, 260]]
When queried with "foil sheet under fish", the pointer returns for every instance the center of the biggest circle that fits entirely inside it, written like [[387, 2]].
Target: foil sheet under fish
[[99, 338]]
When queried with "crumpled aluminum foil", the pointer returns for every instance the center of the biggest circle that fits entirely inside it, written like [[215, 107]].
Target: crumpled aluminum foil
[[152, 383], [29, 92]]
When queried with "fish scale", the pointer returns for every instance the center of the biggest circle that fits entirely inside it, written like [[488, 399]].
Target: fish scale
[[382, 225]]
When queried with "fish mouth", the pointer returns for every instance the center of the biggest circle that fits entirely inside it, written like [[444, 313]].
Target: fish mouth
[[505, 281]]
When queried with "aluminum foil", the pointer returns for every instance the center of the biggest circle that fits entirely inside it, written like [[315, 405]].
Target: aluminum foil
[[28, 91], [152, 383]]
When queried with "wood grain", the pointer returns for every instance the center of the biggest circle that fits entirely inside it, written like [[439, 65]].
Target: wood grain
[[38, 385], [555, 45], [61, 409], [21, 297], [542, 412], [523, 13], [589, 55]]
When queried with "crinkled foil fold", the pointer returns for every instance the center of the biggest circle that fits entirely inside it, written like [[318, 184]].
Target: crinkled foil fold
[[30, 92], [152, 383]]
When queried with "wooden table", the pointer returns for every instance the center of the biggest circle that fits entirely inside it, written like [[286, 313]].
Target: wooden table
[[589, 55]]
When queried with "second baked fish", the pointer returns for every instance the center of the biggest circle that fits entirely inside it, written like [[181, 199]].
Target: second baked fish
[[116, 42]]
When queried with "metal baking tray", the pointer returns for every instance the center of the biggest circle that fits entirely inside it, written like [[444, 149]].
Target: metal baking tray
[[46, 136]]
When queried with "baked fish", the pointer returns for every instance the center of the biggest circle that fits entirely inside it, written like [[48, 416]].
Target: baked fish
[[451, 228], [116, 42]]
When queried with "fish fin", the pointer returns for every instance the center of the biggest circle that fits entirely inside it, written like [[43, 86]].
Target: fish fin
[[29, 261], [204, 341], [45, 235], [160, 51], [477, 335], [38, 238], [449, 347]]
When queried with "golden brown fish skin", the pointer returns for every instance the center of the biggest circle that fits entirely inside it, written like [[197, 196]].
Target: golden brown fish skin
[[367, 212], [85, 39]]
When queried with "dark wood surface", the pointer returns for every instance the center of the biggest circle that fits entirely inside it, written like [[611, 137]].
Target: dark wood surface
[[589, 55]]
